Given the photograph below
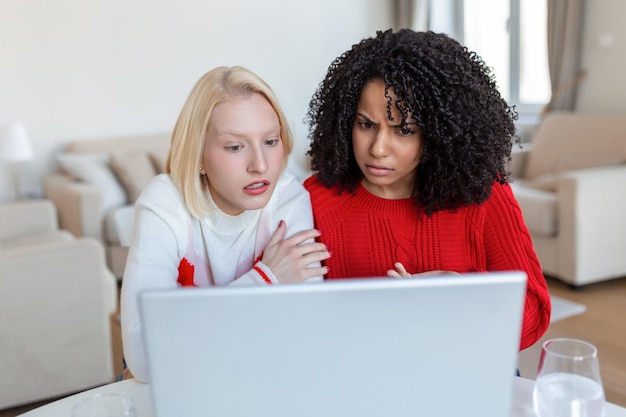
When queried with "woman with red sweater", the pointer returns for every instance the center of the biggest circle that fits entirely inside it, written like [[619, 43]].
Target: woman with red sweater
[[409, 141]]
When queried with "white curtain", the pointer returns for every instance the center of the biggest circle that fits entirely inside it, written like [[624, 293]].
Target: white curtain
[[565, 25]]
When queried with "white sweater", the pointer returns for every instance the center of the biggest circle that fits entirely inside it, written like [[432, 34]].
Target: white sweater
[[221, 248]]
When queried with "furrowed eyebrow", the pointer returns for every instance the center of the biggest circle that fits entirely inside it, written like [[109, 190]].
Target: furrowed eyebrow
[[367, 119], [406, 124]]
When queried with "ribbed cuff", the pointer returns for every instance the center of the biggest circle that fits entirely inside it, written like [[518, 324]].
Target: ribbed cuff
[[265, 274]]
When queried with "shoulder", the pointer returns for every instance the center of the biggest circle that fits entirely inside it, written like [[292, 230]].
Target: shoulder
[[288, 189], [160, 186], [313, 183], [328, 201], [501, 194], [317, 190], [500, 208], [162, 197]]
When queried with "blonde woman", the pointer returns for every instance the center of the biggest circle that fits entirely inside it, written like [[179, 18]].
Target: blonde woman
[[224, 212]]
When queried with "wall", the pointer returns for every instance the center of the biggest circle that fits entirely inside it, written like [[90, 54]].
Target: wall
[[604, 58], [80, 70]]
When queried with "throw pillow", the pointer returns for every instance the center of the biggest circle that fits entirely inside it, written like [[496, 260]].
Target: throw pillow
[[158, 160], [134, 170], [94, 169]]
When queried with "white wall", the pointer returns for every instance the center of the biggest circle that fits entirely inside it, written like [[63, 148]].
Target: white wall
[[76, 69], [604, 58], [79, 70]]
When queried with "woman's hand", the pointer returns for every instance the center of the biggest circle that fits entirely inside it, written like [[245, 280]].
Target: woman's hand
[[400, 272], [289, 259]]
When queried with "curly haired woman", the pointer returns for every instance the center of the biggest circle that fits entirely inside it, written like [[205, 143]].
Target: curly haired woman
[[409, 141]]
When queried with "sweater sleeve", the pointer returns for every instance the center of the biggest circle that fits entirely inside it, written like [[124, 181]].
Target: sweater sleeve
[[298, 215], [508, 246], [152, 263]]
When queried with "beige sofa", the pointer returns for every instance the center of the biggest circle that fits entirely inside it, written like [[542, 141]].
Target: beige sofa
[[570, 182], [56, 301], [98, 177]]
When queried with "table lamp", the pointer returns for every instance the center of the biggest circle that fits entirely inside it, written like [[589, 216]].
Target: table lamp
[[15, 147]]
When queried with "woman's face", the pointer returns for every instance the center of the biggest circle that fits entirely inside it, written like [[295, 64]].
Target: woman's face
[[387, 153], [243, 154]]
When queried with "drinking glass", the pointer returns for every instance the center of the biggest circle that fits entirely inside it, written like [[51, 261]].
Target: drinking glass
[[105, 405], [568, 380]]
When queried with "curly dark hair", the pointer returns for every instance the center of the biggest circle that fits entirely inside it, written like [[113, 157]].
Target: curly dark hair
[[467, 129]]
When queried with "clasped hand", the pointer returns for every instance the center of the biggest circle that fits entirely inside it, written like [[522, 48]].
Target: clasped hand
[[290, 259], [401, 272]]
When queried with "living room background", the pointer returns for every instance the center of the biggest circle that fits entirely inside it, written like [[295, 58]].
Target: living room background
[[74, 70]]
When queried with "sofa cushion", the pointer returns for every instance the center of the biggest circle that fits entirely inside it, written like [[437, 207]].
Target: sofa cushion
[[571, 141], [94, 169], [42, 239], [110, 228], [134, 169], [539, 208]]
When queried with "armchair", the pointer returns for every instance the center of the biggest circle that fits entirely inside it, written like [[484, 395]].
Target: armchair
[[569, 183], [56, 298]]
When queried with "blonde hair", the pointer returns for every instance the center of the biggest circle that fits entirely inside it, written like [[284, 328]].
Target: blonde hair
[[189, 135]]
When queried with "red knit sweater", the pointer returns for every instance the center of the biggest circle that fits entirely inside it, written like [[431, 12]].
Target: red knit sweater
[[367, 235]]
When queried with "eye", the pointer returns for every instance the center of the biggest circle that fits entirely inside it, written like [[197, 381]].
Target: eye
[[233, 148], [271, 142], [406, 131], [366, 124]]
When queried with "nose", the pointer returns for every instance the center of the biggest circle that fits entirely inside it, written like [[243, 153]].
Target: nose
[[258, 161], [380, 145]]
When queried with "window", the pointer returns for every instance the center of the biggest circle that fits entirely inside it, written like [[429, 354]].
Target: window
[[511, 37]]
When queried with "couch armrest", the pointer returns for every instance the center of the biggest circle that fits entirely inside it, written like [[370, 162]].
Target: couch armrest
[[24, 219], [78, 204], [55, 304], [592, 225]]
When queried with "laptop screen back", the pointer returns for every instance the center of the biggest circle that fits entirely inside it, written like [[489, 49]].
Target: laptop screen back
[[441, 346]]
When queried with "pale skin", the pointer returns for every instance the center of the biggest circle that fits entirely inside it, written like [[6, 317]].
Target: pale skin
[[387, 152], [243, 159]]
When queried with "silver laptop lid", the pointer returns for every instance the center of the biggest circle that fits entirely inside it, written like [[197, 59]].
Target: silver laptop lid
[[444, 346]]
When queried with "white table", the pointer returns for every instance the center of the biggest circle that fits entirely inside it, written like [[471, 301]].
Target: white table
[[522, 400]]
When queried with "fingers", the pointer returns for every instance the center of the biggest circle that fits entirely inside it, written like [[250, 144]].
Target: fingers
[[279, 234], [302, 236], [315, 250], [296, 258], [402, 272], [314, 272], [392, 273]]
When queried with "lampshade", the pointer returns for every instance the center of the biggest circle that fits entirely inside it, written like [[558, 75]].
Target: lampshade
[[15, 143]]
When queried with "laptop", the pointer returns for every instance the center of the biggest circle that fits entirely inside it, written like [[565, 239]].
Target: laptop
[[438, 346]]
